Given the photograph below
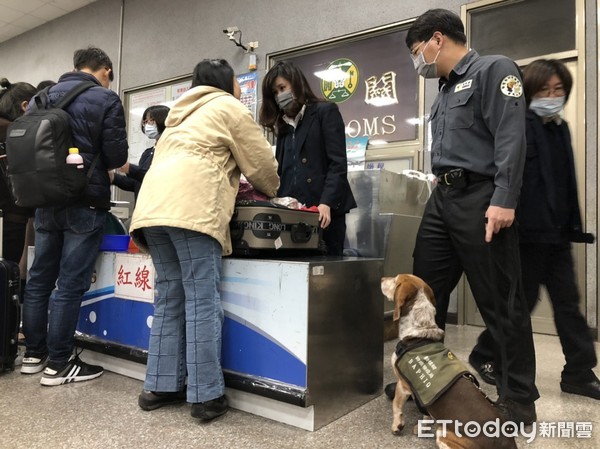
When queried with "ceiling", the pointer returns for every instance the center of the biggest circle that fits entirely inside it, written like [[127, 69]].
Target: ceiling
[[19, 16]]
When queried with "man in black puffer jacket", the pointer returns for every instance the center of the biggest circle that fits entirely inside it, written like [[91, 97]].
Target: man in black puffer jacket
[[67, 239]]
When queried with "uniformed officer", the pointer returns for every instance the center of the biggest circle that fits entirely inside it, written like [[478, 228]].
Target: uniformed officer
[[478, 150]]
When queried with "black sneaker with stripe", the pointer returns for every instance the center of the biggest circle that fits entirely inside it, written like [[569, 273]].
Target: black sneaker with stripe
[[32, 365], [74, 371]]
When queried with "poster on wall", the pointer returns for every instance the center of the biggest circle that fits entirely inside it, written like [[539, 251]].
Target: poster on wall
[[356, 149], [141, 98], [177, 90], [372, 80], [249, 87]]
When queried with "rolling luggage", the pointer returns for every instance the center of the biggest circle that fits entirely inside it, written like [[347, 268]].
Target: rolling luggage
[[10, 285], [259, 227]]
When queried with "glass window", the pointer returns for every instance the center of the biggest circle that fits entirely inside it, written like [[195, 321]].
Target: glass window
[[523, 29]]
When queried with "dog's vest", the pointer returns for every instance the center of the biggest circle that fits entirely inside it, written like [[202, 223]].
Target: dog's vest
[[429, 368]]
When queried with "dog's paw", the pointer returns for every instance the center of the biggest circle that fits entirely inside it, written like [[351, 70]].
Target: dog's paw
[[397, 428]]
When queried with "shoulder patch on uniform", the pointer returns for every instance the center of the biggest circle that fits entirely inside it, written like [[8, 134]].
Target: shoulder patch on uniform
[[511, 86]]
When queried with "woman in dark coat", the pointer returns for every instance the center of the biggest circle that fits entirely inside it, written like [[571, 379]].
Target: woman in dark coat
[[311, 149], [550, 221], [132, 175], [14, 99]]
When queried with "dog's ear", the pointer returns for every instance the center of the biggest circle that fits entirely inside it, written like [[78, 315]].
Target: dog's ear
[[388, 287], [404, 292]]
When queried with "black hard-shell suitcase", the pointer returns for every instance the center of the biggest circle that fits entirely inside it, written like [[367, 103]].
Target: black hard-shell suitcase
[[10, 285], [257, 227]]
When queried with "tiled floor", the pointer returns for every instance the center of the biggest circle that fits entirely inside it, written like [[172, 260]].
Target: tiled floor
[[104, 414]]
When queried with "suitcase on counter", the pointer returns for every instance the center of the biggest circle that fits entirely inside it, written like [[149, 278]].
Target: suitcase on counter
[[10, 285], [259, 227]]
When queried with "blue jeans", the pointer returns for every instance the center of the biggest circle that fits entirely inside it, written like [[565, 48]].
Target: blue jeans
[[188, 316], [66, 247]]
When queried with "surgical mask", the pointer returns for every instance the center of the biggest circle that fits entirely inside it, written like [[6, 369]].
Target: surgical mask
[[284, 99], [547, 106], [426, 69], [151, 131]]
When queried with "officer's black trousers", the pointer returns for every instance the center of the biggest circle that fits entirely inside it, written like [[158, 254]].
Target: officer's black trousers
[[450, 240], [552, 265]]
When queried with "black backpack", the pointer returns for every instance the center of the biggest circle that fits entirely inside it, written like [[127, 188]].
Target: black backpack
[[37, 146]]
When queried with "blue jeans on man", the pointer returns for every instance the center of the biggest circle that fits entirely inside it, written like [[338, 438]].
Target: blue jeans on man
[[67, 241]]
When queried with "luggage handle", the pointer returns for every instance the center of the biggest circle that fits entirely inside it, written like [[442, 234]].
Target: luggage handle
[[17, 300], [301, 232]]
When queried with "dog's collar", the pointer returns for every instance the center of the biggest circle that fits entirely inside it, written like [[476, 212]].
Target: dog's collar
[[409, 344]]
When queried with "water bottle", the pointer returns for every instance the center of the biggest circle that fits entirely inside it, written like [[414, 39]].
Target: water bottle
[[75, 158]]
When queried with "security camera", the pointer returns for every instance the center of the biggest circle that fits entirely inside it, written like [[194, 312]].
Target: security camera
[[231, 30]]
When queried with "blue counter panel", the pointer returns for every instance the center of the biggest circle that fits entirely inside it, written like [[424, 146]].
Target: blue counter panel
[[248, 351], [114, 319]]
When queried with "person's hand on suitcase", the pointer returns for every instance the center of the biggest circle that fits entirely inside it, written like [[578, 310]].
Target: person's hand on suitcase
[[324, 215]]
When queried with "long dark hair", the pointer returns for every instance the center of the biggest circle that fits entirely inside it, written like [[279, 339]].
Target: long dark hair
[[270, 116], [11, 97], [214, 72], [536, 74]]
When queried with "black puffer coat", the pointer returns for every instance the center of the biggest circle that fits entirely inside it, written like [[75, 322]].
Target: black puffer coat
[[98, 125]]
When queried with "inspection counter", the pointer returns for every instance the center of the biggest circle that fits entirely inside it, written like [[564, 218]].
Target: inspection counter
[[302, 338]]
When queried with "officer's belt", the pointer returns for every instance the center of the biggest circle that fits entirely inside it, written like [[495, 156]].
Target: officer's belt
[[461, 177]]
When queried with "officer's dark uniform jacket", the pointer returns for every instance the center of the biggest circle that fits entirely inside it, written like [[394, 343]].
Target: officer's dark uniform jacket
[[97, 125], [476, 123], [312, 160]]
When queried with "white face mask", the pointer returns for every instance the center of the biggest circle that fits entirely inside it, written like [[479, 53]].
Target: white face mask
[[426, 69], [547, 106], [151, 131]]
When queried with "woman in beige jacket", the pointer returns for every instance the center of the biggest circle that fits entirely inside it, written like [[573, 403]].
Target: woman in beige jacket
[[182, 217]]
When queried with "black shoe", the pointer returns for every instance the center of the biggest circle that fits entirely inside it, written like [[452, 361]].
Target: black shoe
[[73, 371], [517, 412], [590, 389], [210, 410], [151, 400], [486, 370], [390, 390]]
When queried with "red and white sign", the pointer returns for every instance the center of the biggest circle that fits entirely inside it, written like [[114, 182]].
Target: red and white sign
[[134, 277]]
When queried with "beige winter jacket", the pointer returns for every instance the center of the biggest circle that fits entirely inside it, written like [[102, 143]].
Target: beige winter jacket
[[193, 180]]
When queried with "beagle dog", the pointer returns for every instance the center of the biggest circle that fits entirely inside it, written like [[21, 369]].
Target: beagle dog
[[431, 373]]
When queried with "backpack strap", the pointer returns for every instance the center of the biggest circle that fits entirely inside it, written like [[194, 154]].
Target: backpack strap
[[73, 93], [41, 99], [66, 101], [92, 166]]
